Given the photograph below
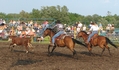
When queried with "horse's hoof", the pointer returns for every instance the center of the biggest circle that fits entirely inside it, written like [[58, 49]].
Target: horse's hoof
[[26, 51], [49, 55], [76, 57]]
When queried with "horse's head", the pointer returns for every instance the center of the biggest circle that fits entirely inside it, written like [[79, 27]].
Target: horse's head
[[48, 32], [81, 33]]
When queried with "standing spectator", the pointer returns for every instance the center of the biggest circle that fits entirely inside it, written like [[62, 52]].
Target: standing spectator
[[76, 24], [75, 32], [100, 28], [90, 24], [72, 29], [80, 25], [30, 24], [84, 28], [4, 22], [107, 29], [14, 23], [35, 26], [68, 29], [11, 23], [112, 28], [1, 21]]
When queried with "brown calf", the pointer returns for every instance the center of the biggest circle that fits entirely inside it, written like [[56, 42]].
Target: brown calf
[[26, 42]]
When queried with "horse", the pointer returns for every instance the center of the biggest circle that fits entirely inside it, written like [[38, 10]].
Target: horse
[[61, 41], [96, 40], [26, 42]]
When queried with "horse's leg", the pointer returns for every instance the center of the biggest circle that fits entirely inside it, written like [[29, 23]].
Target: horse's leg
[[73, 51], [90, 48], [53, 48], [102, 51], [108, 50], [48, 49], [103, 47]]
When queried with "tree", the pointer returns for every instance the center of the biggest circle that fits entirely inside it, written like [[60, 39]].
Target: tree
[[2, 15], [24, 15]]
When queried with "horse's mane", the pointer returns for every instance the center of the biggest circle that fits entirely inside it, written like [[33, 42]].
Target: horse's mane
[[51, 30], [84, 32]]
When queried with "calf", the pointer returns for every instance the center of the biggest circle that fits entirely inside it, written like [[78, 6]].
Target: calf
[[26, 42]]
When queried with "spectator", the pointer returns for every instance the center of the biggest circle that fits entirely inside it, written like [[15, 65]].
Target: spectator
[[80, 25], [100, 28], [107, 29], [112, 28], [68, 29], [84, 28], [1, 21]]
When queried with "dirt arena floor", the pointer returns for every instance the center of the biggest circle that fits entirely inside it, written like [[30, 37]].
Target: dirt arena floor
[[61, 59]]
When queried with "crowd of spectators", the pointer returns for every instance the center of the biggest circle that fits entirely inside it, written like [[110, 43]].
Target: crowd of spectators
[[35, 29], [21, 29]]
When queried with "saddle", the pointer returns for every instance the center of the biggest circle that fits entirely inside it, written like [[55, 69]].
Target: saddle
[[94, 36], [60, 37]]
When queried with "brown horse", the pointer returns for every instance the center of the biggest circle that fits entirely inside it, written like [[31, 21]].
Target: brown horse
[[96, 40], [62, 41]]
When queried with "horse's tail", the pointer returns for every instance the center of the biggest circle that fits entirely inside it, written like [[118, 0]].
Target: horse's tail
[[109, 41], [78, 42]]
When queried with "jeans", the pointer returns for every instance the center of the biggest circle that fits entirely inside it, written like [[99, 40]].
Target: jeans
[[89, 37], [56, 35]]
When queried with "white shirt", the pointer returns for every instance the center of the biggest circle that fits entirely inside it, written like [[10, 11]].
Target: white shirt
[[84, 28], [94, 28], [80, 25]]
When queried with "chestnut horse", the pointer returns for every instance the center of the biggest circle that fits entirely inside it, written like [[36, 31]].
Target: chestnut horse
[[66, 40], [96, 40]]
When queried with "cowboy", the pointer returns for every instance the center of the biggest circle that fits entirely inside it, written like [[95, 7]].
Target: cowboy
[[59, 29], [94, 30]]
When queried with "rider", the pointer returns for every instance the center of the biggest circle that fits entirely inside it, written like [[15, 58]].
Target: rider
[[59, 30], [94, 30]]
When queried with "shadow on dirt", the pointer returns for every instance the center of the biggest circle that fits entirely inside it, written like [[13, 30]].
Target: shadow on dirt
[[61, 54], [24, 62], [22, 51], [88, 54]]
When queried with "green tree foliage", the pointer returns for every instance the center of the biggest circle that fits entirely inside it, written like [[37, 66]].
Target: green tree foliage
[[2, 15], [63, 14]]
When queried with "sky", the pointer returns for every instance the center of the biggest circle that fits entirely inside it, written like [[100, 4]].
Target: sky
[[82, 7]]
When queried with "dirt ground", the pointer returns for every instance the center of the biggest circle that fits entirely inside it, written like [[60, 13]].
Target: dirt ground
[[61, 59]]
